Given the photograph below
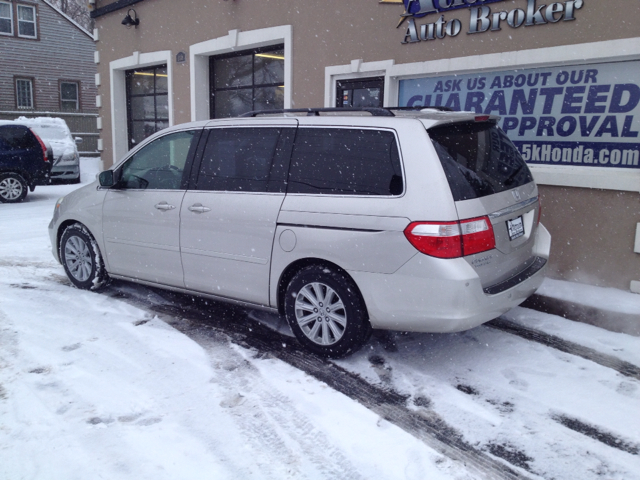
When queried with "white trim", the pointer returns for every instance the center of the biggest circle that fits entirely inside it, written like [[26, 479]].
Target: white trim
[[11, 33], [354, 70], [199, 54], [118, 94], [71, 20], [580, 54], [35, 20], [29, 81]]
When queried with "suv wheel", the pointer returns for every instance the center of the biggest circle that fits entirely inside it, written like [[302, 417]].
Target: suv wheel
[[326, 312], [81, 258], [13, 188]]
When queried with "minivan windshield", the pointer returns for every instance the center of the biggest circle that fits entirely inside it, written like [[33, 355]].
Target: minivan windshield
[[478, 159]]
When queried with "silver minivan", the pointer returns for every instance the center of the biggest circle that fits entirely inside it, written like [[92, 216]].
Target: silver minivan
[[340, 220]]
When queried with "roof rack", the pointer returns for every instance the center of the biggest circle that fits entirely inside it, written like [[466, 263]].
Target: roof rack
[[422, 107], [376, 112]]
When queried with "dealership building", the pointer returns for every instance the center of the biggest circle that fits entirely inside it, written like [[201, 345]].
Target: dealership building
[[563, 76]]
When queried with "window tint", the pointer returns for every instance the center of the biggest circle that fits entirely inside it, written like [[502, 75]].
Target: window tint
[[242, 160], [160, 164], [16, 137], [478, 159], [345, 162]]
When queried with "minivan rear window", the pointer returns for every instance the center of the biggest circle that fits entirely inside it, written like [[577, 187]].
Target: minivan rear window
[[478, 159]]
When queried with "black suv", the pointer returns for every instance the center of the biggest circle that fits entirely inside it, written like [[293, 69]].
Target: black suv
[[24, 162]]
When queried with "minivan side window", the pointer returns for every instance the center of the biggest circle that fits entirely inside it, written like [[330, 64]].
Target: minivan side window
[[243, 160], [158, 165], [345, 161]]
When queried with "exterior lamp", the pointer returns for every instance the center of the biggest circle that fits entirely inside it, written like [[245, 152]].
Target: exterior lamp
[[128, 21]]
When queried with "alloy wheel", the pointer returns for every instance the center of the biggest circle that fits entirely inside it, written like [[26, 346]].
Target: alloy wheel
[[78, 258], [320, 313], [10, 189]]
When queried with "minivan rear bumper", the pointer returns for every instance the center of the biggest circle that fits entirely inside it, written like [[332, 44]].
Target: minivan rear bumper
[[428, 294]]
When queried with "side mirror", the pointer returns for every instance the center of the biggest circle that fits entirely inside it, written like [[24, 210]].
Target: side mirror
[[78, 140], [106, 179]]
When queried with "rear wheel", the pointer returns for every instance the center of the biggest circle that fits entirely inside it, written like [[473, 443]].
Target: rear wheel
[[13, 188], [81, 258], [326, 312]]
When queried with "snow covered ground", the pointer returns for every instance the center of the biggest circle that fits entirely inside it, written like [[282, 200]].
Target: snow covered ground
[[94, 387]]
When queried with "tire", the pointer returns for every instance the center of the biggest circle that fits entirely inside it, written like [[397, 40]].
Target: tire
[[326, 312], [81, 258], [13, 188]]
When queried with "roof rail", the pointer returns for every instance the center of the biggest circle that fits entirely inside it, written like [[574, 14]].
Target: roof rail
[[421, 107], [376, 112]]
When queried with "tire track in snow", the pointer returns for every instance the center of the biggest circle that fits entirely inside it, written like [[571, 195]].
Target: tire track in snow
[[196, 317], [269, 420], [625, 368]]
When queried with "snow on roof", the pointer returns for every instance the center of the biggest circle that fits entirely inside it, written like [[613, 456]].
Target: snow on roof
[[49, 121], [69, 18]]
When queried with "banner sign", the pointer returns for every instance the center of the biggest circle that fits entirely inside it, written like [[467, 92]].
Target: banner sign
[[581, 115]]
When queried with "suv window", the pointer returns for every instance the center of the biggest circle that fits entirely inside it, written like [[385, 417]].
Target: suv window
[[245, 160], [345, 161], [16, 137], [160, 164], [478, 159]]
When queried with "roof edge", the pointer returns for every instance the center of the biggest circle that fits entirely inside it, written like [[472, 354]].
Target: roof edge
[[82, 29]]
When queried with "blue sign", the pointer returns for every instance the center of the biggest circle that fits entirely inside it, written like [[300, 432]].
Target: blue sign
[[585, 115]]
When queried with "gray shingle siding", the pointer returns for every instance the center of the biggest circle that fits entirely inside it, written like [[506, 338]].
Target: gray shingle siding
[[62, 52]]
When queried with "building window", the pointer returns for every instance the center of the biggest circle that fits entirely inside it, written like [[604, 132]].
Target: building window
[[26, 21], [6, 19], [147, 102], [363, 92], [69, 96], [246, 81], [24, 93]]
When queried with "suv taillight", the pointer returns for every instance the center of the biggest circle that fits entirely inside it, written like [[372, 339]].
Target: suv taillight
[[43, 146], [452, 239]]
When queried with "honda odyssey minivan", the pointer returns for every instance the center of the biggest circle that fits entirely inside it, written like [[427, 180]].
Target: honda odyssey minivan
[[341, 220]]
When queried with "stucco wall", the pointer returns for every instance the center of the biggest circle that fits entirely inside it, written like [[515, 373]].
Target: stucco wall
[[593, 230]]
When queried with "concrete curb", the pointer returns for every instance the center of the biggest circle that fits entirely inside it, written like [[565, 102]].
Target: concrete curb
[[613, 321]]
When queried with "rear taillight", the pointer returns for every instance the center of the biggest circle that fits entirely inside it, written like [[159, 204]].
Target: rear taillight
[[452, 239], [43, 146]]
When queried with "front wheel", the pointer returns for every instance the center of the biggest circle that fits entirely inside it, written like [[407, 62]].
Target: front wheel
[[81, 258], [326, 312], [13, 188]]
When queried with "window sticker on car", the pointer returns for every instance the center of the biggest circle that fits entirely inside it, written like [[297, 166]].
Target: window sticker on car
[[515, 228]]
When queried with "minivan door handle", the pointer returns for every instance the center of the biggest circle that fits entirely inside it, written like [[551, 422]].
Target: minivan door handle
[[164, 206], [199, 208]]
